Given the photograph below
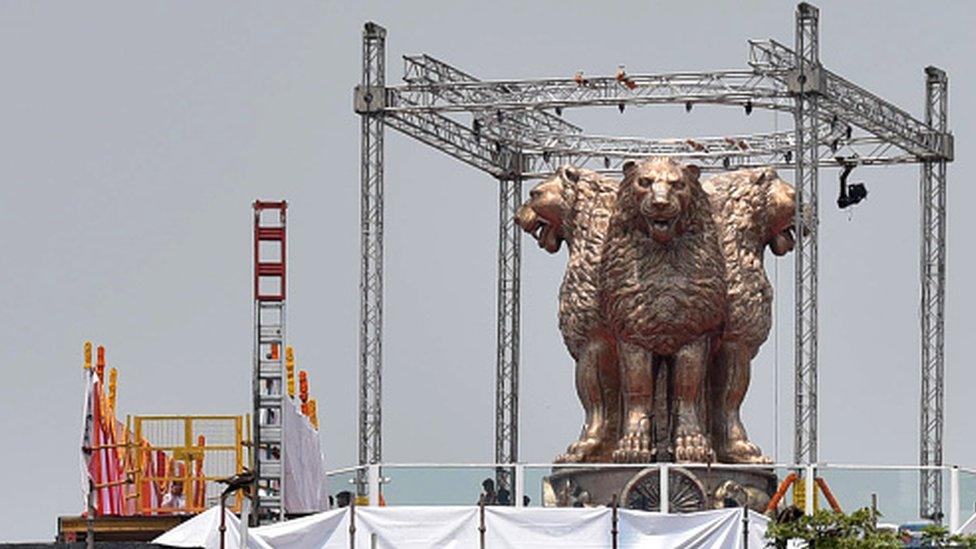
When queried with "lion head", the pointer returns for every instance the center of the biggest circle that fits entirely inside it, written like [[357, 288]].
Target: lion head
[[550, 203], [661, 197]]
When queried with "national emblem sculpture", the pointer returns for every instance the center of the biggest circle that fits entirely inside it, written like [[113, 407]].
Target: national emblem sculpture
[[664, 303]]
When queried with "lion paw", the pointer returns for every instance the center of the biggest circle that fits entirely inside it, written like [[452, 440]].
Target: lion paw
[[743, 451], [693, 448], [581, 451], [634, 448]]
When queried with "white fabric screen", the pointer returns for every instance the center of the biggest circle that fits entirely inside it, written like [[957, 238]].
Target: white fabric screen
[[711, 529], [305, 488], [508, 527], [505, 527], [203, 530]]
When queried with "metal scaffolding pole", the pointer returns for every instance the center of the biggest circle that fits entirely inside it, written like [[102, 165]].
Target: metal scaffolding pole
[[369, 100], [509, 315], [806, 84], [933, 270]]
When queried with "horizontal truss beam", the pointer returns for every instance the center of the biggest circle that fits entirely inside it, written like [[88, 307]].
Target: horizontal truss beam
[[843, 99], [510, 115]]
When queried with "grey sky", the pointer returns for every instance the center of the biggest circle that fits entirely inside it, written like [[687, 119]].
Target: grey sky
[[135, 136]]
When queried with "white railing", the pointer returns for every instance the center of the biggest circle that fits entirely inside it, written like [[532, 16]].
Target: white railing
[[457, 483]]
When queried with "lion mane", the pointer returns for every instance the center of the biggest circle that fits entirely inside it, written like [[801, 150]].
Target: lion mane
[[663, 296], [747, 218], [590, 200]]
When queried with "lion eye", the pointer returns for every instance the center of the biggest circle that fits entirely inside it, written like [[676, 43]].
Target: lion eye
[[679, 184], [645, 182]]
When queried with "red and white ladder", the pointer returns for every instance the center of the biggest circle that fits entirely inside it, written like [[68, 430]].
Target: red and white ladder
[[268, 381]]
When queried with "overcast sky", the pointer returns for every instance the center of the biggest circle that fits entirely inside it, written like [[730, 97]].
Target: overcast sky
[[134, 136]]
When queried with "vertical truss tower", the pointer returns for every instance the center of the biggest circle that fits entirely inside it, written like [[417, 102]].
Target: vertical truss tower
[[933, 273], [804, 82], [370, 100], [509, 314], [268, 381]]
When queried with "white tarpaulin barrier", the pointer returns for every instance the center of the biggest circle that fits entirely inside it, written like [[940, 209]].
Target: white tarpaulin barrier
[[417, 527], [505, 528], [203, 530], [712, 529], [305, 490], [508, 527], [329, 530]]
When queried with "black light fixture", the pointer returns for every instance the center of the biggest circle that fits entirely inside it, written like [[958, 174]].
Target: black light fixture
[[559, 111], [620, 106], [788, 155], [748, 107], [606, 162], [688, 106], [853, 193]]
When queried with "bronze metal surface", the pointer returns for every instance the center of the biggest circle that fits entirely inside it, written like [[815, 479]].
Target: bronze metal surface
[[664, 303]]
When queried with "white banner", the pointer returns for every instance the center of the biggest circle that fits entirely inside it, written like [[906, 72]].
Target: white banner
[[719, 529], [505, 527], [409, 527], [305, 488], [203, 530], [323, 530]]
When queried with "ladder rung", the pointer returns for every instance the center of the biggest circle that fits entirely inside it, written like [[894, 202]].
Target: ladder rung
[[270, 434], [271, 233], [271, 470], [271, 269]]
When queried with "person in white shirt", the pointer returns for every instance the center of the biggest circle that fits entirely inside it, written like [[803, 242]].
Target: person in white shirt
[[174, 497]]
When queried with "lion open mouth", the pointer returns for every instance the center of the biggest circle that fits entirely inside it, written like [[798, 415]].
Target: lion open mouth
[[783, 242], [661, 229], [547, 236]]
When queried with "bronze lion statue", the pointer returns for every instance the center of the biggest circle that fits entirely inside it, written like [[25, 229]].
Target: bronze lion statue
[[574, 206], [751, 209], [663, 291]]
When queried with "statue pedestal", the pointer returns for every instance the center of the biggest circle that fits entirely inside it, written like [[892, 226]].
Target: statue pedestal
[[638, 487]]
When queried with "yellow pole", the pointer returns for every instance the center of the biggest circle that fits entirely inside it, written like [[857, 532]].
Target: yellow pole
[[239, 456], [113, 380], [88, 355], [290, 369], [313, 414], [188, 444]]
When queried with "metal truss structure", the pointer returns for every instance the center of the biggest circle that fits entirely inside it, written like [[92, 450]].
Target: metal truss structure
[[932, 267], [513, 130], [804, 81], [371, 262]]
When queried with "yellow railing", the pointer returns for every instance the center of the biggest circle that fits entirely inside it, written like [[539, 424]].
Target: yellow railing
[[179, 458]]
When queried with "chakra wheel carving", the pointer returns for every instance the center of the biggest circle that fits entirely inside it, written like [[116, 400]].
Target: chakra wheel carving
[[643, 492]]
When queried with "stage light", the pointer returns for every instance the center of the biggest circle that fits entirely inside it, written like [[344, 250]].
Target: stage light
[[853, 193]]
